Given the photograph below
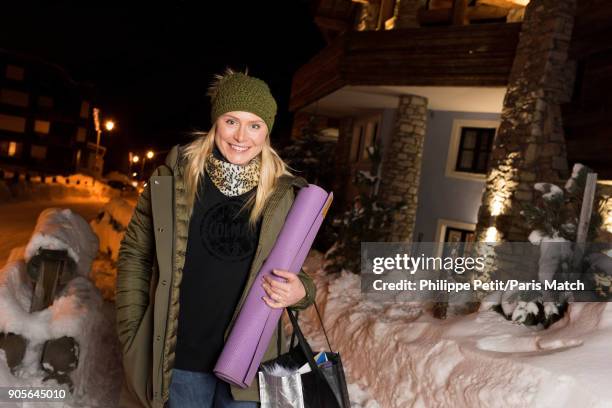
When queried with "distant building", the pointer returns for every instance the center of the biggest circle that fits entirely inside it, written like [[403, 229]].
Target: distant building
[[46, 119]]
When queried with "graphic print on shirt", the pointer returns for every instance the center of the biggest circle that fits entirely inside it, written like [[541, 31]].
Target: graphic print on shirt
[[225, 235]]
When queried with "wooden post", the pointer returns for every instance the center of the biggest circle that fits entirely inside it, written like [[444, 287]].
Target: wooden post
[[585, 218], [460, 12], [587, 207]]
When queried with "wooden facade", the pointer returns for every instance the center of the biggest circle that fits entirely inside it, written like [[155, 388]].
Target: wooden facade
[[470, 55]]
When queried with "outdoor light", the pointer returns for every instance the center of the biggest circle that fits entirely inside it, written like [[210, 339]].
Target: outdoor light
[[134, 174], [12, 148], [109, 125], [135, 159], [150, 154], [491, 235]]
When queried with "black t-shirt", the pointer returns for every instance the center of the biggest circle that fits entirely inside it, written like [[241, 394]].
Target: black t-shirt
[[220, 250]]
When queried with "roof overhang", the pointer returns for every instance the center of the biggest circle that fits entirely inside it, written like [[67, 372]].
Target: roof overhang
[[353, 100], [471, 56]]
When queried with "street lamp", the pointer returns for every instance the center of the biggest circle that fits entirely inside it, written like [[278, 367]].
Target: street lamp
[[150, 154], [133, 159], [109, 125]]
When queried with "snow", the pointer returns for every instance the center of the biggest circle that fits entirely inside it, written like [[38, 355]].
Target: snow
[[116, 176], [395, 354], [78, 312], [571, 183], [111, 223], [110, 226], [549, 191], [536, 236], [64, 187], [368, 176], [404, 357], [63, 229]]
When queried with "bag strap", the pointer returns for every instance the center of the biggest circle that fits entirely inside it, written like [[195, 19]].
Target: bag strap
[[297, 316], [305, 346], [278, 338], [322, 326]]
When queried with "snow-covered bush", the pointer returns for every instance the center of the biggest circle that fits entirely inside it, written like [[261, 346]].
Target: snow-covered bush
[[110, 226], [557, 211], [554, 218]]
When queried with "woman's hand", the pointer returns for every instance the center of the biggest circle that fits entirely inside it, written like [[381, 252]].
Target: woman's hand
[[283, 294]]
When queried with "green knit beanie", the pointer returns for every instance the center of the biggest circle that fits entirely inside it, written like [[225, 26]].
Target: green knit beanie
[[236, 91]]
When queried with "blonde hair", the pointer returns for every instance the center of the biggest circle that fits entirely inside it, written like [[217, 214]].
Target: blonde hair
[[272, 167]]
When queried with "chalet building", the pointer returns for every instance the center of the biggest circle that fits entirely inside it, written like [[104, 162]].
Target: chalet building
[[472, 102], [46, 120]]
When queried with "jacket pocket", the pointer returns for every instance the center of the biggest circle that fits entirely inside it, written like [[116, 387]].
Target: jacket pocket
[[137, 360]]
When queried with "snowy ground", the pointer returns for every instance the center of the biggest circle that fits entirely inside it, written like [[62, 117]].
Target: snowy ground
[[406, 358], [394, 354]]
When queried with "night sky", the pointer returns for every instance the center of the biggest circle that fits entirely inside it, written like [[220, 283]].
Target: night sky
[[151, 63]]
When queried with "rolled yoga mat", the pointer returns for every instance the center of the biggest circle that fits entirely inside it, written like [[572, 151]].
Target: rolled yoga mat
[[256, 321]]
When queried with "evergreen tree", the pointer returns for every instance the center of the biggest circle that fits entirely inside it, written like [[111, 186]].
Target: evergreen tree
[[366, 220]]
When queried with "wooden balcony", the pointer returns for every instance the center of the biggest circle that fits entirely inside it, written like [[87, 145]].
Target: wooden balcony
[[471, 55]]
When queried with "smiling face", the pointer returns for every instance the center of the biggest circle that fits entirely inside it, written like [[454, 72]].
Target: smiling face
[[240, 136]]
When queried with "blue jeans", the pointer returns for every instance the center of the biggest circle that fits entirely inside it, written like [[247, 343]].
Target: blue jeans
[[190, 389]]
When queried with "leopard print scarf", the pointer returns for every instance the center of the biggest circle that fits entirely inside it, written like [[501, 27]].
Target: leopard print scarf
[[232, 179]]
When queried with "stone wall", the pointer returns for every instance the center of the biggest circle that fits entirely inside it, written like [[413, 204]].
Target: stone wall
[[605, 192], [530, 144], [401, 167]]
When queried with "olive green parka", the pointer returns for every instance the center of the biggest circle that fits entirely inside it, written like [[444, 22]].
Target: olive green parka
[[151, 258]]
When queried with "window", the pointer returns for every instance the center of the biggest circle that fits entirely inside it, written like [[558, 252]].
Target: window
[[458, 241], [12, 123], [453, 234], [10, 149], [14, 72], [469, 148], [38, 152], [365, 134], [42, 126], [455, 237], [16, 98], [45, 101], [85, 109], [474, 149], [81, 135]]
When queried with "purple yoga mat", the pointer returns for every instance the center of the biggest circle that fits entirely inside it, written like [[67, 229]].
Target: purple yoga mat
[[255, 323]]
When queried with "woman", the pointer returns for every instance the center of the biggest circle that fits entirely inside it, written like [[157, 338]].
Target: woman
[[200, 232]]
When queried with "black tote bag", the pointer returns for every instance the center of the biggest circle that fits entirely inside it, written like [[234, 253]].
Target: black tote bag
[[322, 387]]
